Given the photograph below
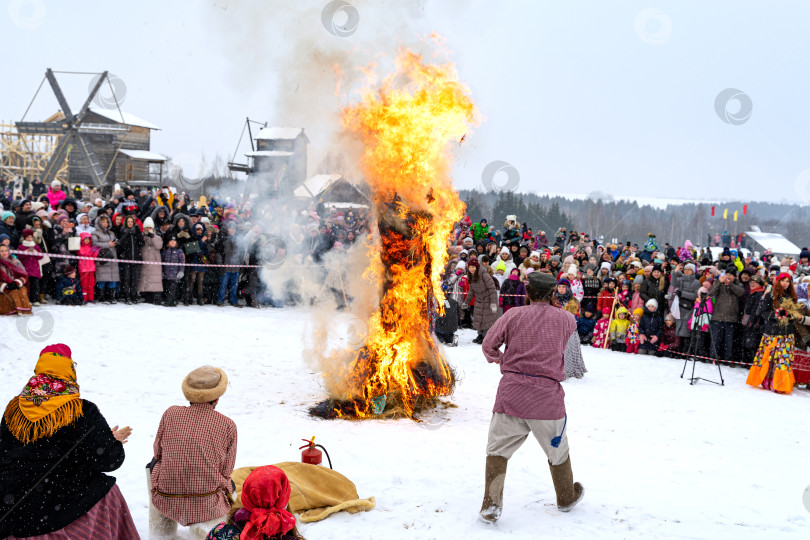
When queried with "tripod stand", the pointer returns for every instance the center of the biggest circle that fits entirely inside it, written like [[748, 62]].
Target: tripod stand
[[695, 338]]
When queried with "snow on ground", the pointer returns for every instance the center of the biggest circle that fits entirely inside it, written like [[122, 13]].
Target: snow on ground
[[658, 458]]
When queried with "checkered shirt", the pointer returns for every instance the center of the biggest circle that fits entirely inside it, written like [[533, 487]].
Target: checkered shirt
[[533, 362], [195, 449]]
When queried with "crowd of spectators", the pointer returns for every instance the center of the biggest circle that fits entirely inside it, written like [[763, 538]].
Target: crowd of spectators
[[649, 299], [157, 246]]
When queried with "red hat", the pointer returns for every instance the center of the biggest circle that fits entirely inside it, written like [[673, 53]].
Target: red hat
[[784, 275], [27, 232], [265, 495], [606, 310], [59, 348], [474, 262]]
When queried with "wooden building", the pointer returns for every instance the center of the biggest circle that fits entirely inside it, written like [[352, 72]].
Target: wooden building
[[279, 162], [121, 142]]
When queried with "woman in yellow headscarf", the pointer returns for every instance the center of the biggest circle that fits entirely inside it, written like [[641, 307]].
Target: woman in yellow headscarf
[[54, 448]]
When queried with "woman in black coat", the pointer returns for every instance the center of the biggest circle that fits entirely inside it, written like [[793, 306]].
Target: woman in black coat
[[54, 450], [130, 242]]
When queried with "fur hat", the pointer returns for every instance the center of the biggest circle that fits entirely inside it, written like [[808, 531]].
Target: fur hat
[[204, 384]]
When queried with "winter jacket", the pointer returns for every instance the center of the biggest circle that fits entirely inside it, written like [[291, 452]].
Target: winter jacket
[[68, 288], [11, 232], [687, 291], [701, 319], [654, 289], [130, 243], [105, 270], [485, 293], [175, 256], [651, 324], [618, 327], [71, 486], [31, 262], [512, 294], [87, 250], [151, 279], [670, 339], [55, 197], [448, 324], [605, 300], [60, 247], [726, 301], [585, 326]]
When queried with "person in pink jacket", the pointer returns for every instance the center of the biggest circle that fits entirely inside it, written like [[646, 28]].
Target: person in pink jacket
[[87, 267], [30, 261], [56, 194]]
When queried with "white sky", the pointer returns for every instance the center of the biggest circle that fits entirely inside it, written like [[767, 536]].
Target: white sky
[[577, 96]]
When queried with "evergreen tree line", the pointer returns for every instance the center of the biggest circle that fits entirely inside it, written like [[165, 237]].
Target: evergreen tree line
[[622, 220]]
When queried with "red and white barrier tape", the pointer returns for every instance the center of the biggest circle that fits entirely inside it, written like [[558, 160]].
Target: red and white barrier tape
[[125, 261]]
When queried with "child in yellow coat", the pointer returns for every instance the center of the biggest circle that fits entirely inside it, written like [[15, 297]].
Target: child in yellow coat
[[618, 330]]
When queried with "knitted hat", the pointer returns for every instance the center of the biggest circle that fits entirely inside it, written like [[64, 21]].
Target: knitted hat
[[500, 266], [5, 215], [474, 262], [56, 183], [149, 223], [27, 232], [652, 302], [606, 310], [638, 311], [67, 270], [784, 275], [204, 384], [689, 266]]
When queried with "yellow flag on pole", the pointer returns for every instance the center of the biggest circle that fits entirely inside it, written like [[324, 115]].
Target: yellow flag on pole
[[735, 215], [725, 213]]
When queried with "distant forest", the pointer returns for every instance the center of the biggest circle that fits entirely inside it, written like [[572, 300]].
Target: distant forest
[[600, 216]]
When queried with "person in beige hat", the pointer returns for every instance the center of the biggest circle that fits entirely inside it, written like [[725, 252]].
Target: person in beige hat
[[194, 439]]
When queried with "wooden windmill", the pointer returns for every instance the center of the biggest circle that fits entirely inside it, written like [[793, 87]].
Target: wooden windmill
[[70, 130]]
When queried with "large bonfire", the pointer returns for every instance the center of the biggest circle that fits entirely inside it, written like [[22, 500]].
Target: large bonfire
[[407, 126]]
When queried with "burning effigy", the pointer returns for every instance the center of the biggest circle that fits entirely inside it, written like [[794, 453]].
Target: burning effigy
[[408, 125]]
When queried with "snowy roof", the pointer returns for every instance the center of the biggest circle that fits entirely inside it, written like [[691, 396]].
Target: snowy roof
[[315, 185], [274, 133], [777, 243], [129, 119], [268, 153], [143, 155]]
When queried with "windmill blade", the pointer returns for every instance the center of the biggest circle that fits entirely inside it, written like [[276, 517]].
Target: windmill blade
[[96, 171], [60, 97], [58, 156], [90, 98], [41, 128]]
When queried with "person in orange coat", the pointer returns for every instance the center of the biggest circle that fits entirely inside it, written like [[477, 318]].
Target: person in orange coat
[[773, 362]]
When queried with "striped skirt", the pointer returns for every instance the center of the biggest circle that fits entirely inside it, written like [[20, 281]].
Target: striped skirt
[[109, 519]]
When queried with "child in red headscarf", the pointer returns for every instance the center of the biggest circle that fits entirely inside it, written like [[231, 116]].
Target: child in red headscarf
[[265, 516]]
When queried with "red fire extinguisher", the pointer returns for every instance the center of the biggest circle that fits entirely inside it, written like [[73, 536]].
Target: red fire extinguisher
[[312, 455]]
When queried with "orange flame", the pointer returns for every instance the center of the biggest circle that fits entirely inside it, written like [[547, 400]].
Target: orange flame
[[407, 126]]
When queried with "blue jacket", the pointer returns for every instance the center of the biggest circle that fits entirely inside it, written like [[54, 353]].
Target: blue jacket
[[651, 324], [585, 326], [66, 287]]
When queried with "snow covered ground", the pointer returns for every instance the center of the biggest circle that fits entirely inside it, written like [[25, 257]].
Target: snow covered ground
[[658, 458]]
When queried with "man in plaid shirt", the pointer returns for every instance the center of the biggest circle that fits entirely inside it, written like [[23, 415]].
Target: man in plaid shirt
[[194, 455], [538, 338]]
